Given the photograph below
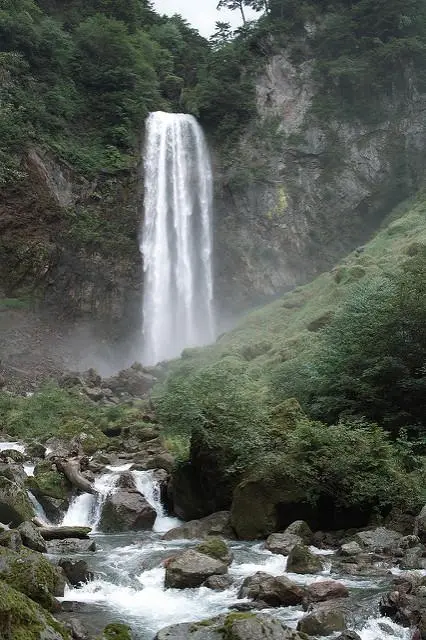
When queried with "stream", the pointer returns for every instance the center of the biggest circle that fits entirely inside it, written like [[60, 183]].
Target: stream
[[129, 574]]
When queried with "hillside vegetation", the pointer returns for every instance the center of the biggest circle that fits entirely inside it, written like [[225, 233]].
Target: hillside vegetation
[[350, 347]]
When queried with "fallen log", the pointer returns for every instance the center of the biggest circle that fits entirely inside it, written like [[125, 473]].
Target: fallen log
[[60, 533], [71, 469]]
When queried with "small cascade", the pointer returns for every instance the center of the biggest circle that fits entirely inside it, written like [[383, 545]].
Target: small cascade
[[39, 511], [86, 509], [13, 446], [148, 486]]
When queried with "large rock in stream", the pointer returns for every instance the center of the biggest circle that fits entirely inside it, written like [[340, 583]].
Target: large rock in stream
[[216, 524], [296, 533], [126, 510], [274, 591], [15, 506], [191, 569], [33, 575], [21, 617], [235, 626], [302, 560]]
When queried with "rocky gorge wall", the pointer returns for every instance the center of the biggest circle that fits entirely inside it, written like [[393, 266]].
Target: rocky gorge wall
[[301, 189], [297, 192]]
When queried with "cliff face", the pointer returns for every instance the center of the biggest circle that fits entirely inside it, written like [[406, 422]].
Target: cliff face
[[303, 190], [295, 194]]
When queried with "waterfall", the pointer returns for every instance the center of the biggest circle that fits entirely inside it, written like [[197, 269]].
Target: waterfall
[[148, 486], [177, 238]]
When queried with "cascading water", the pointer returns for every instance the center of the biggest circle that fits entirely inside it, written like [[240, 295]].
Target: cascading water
[[177, 238]]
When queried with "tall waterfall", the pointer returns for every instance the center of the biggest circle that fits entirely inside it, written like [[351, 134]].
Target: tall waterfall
[[177, 237]]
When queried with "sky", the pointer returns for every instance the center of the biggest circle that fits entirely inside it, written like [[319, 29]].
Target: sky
[[201, 14]]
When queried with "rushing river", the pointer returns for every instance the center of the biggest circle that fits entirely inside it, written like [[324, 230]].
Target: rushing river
[[129, 574]]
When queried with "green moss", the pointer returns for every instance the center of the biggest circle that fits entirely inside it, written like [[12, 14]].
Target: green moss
[[23, 619], [230, 620], [214, 547], [51, 483], [117, 631], [31, 574]]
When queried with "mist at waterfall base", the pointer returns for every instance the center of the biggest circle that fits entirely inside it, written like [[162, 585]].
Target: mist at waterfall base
[[176, 242]]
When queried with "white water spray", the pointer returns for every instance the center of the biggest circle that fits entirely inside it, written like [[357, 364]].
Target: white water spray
[[177, 238]]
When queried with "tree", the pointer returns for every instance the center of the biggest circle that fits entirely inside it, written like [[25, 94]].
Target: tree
[[232, 5]]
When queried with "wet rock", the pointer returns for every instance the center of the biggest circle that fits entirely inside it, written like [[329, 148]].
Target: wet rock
[[420, 525], [212, 525], [13, 472], [218, 583], [238, 626], [76, 571], [25, 619], [35, 450], [76, 629], [274, 591], [300, 528], [282, 543], [126, 481], [70, 545], [414, 558], [162, 460], [11, 456], [380, 540], [33, 575], [117, 631], [15, 506], [350, 549], [191, 569], [322, 622], [325, 590], [11, 539], [216, 548], [349, 635], [126, 510], [31, 537], [302, 560]]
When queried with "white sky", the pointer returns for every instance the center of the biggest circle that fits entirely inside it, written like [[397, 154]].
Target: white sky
[[201, 14]]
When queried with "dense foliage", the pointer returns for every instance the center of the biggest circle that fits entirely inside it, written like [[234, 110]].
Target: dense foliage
[[371, 360]]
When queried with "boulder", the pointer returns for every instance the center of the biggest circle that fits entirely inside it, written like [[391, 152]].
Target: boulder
[[15, 506], [379, 540], [12, 455], [76, 629], [191, 569], [14, 473], [76, 571], [405, 604], [126, 481], [216, 524], [47, 481], [218, 583], [322, 622], [162, 460], [349, 635], [33, 575], [235, 626], [126, 510], [135, 381], [21, 617], [35, 450], [414, 558], [11, 539], [302, 560], [31, 537], [282, 543], [350, 549], [274, 591], [70, 545], [420, 525], [216, 548], [301, 529], [325, 590], [117, 631]]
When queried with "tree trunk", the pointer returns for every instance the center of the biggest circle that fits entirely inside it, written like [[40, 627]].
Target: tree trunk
[[243, 15], [71, 470], [61, 533]]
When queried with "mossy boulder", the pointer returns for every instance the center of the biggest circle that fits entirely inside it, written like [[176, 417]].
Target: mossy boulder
[[23, 619], [31, 537], [322, 622], [49, 482], [117, 631], [302, 560], [33, 575], [11, 539], [12, 454], [234, 626], [216, 548], [15, 506]]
